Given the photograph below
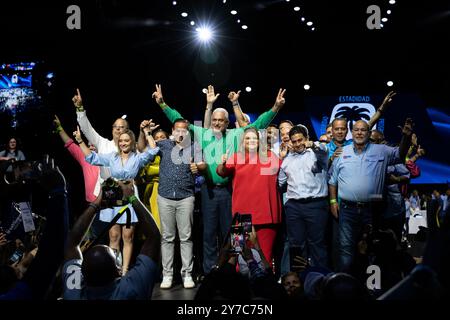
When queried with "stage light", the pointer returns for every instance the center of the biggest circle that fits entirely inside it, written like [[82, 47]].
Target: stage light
[[309, 23], [303, 19], [184, 14], [392, 1], [288, 0], [238, 20], [244, 27], [233, 12], [388, 12], [296, 8], [192, 23], [381, 25], [384, 19], [204, 34], [390, 83], [224, 1], [49, 75], [205, 91], [174, 3], [248, 89], [124, 116], [306, 87], [312, 29]]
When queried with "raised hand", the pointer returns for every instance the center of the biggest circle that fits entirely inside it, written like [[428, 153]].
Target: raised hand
[[56, 122], [157, 95], [408, 127], [51, 177], [152, 126], [414, 139], [77, 101], [387, 100], [234, 96], [420, 151], [144, 124], [280, 100], [77, 135], [211, 97]]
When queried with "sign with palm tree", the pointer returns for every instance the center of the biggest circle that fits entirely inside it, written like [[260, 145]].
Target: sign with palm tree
[[353, 112]]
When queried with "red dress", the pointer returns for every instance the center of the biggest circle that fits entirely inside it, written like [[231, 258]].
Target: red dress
[[255, 187]]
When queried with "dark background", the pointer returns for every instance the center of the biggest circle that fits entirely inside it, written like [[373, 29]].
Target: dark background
[[125, 47]]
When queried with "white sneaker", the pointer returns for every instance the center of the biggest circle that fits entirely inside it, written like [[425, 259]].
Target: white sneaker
[[166, 283], [188, 282]]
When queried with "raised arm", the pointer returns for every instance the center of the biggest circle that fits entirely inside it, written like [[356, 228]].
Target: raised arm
[[79, 140], [266, 118], [211, 97], [60, 130], [85, 125], [405, 142], [79, 230], [234, 99], [386, 102]]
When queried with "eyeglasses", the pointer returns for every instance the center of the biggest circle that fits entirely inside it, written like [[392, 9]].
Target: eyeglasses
[[118, 127]]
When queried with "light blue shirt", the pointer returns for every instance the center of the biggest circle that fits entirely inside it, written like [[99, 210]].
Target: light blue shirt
[[445, 200], [305, 173], [332, 146], [360, 177], [415, 202], [128, 170]]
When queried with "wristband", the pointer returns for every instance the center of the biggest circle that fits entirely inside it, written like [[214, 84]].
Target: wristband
[[163, 105], [333, 201], [79, 109], [132, 198], [58, 129]]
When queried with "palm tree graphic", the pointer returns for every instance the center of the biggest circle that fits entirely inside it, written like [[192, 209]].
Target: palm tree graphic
[[352, 114]]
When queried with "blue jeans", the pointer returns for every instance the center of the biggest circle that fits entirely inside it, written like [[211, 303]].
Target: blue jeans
[[306, 223], [217, 217], [351, 223]]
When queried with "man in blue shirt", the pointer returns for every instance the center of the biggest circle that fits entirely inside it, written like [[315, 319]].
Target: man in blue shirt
[[304, 170], [359, 175]]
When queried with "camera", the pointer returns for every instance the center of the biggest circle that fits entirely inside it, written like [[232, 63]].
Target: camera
[[112, 194]]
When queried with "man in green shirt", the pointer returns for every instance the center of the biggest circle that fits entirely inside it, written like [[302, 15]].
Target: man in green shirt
[[216, 192]]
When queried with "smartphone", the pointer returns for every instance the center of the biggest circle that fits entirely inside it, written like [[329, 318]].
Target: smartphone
[[237, 239], [246, 223], [16, 256]]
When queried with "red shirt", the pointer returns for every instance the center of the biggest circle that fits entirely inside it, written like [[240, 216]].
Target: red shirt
[[255, 188]]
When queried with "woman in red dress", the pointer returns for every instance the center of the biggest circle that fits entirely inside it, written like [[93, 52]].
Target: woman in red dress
[[255, 190]]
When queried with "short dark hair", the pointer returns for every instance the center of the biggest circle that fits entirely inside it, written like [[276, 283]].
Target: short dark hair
[[337, 119], [180, 120], [158, 131], [272, 125], [298, 129], [286, 121]]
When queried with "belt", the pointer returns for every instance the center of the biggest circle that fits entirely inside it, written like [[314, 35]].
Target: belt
[[218, 185], [310, 199], [356, 204]]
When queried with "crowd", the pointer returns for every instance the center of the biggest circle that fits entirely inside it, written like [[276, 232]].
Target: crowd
[[281, 216]]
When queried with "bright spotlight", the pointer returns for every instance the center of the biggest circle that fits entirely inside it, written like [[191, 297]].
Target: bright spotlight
[[306, 87], [233, 12], [390, 83], [184, 14], [205, 91], [384, 19], [124, 116], [392, 1], [238, 20], [309, 23], [174, 3], [248, 89], [296, 8], [244, 27], [49, 75], [388, 12], [312, 29], [192, 23], [204, 34], [303, 18]]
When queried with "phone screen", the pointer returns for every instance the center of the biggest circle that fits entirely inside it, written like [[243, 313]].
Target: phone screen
[[237, 239]]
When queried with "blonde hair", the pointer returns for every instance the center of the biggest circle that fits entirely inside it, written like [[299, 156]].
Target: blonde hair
[[133, 140]]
